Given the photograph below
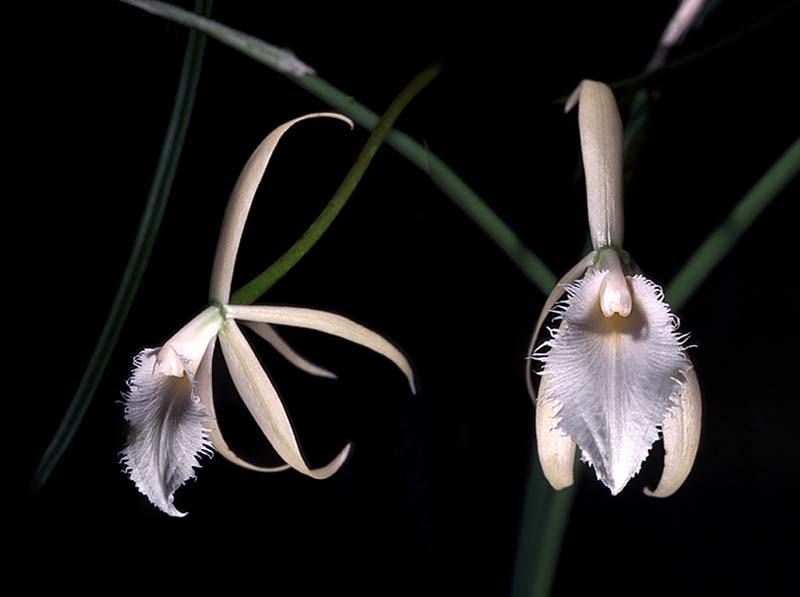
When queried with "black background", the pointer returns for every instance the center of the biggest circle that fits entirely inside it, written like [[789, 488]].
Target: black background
[[430, 499]]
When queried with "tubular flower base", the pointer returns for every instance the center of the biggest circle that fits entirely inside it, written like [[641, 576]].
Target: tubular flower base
[[615, 368], [169, 404]]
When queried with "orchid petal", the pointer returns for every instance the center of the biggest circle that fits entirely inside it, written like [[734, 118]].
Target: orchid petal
[[268, 333], [239, 206], [168, 430], [601, 146], [573, 274], [205, 391], [681, 432], [263, 402], [328, 323], [614, 378], [556, 450]]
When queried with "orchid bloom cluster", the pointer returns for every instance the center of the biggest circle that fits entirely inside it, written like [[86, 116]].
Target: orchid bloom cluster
[[169, 404], [615, 369]]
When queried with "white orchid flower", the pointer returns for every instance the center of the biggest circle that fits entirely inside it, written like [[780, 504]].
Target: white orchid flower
[[615, 369], [169, 404]]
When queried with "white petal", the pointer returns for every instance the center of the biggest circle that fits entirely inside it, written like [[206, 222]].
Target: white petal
[[239, 206], [614, 378], [556, 450], [268, 333], [263, 402], [328, 323], [573, 274], [168, 431], [681, 434], [601, 146], [205, 391]]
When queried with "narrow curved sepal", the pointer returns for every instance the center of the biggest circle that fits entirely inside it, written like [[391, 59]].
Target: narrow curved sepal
[[681, 433], [556, 450], [601, 146], [274, 339], [239, 206], [168, 431], [328, 323], [614, 377], [263, 402], [205, 392]]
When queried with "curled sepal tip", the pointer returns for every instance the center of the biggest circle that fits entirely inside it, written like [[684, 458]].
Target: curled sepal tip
[[262, 400], [327, 323], [556, 450], [681, 433], [239, 206], [601, 146]]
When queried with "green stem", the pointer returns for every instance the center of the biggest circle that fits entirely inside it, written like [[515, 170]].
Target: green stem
[[140, 253], [253, 290], [721, 241], [441, 174], [544, 521]]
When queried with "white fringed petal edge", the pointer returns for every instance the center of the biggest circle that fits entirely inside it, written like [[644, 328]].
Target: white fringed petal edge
[[167, 431]]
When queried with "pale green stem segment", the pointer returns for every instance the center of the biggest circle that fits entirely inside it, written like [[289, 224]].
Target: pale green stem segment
[[253, 290], [441, 174], [724, 237], [140, 253], [545, 517]]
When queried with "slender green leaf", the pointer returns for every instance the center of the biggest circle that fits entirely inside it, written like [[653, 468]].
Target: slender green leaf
[[140, 253], [545, 514], [720, 242]]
